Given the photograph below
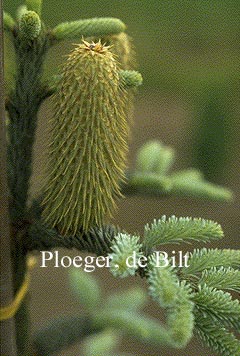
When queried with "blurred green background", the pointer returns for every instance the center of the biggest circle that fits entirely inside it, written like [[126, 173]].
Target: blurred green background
[[188, 53]]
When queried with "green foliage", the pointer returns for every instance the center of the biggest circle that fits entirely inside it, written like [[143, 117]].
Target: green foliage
[[91, 27], [215, 336], [86, 288], [202, 259], [151, 176], [221, 278], [175, 230], [123, 247], [147, 184], [120, 313], [205, 309], [175, 296], [184, 293], [153, 157], [163, 284], [218, 305], [201, 189], [142, 328], [101, 344], [132, 299], [180, 317]]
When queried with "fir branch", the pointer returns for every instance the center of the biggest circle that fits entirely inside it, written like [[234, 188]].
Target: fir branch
[[132, 299], [180, 319], [153, 163], [131, 324], [175, 230], [147, 184], [218, 305], [163, 283], [202, 259], [154, 157], [87, 28], [222, 278], [86, 288], [200, 189], [152, 184], [123, 246], [101, 344], [166, 289], [215, 336], [190, 174], [96, 240]]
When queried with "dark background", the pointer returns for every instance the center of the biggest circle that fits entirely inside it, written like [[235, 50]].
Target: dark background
[[188, 54]]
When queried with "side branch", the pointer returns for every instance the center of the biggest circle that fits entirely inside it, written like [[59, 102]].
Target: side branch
[[87, 28], [97, 240]]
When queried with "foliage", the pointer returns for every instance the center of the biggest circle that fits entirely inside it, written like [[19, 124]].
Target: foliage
[[174, 230], [124, 246], [85, 121]]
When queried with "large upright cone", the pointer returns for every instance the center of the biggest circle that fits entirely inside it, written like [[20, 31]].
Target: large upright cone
[[88, 148]]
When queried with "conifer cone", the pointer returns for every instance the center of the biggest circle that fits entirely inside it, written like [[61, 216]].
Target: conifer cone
[[88, 148]]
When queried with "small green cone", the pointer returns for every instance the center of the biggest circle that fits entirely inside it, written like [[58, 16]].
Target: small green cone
[[30, 25]]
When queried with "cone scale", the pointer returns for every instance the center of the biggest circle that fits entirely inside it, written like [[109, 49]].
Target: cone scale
[[88, 145]]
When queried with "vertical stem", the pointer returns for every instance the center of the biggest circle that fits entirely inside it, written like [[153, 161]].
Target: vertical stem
[[7, 333], [23, 107], [22, 315], [23, 104]]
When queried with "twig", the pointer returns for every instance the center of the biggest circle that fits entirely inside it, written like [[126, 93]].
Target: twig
[[97, 240]]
